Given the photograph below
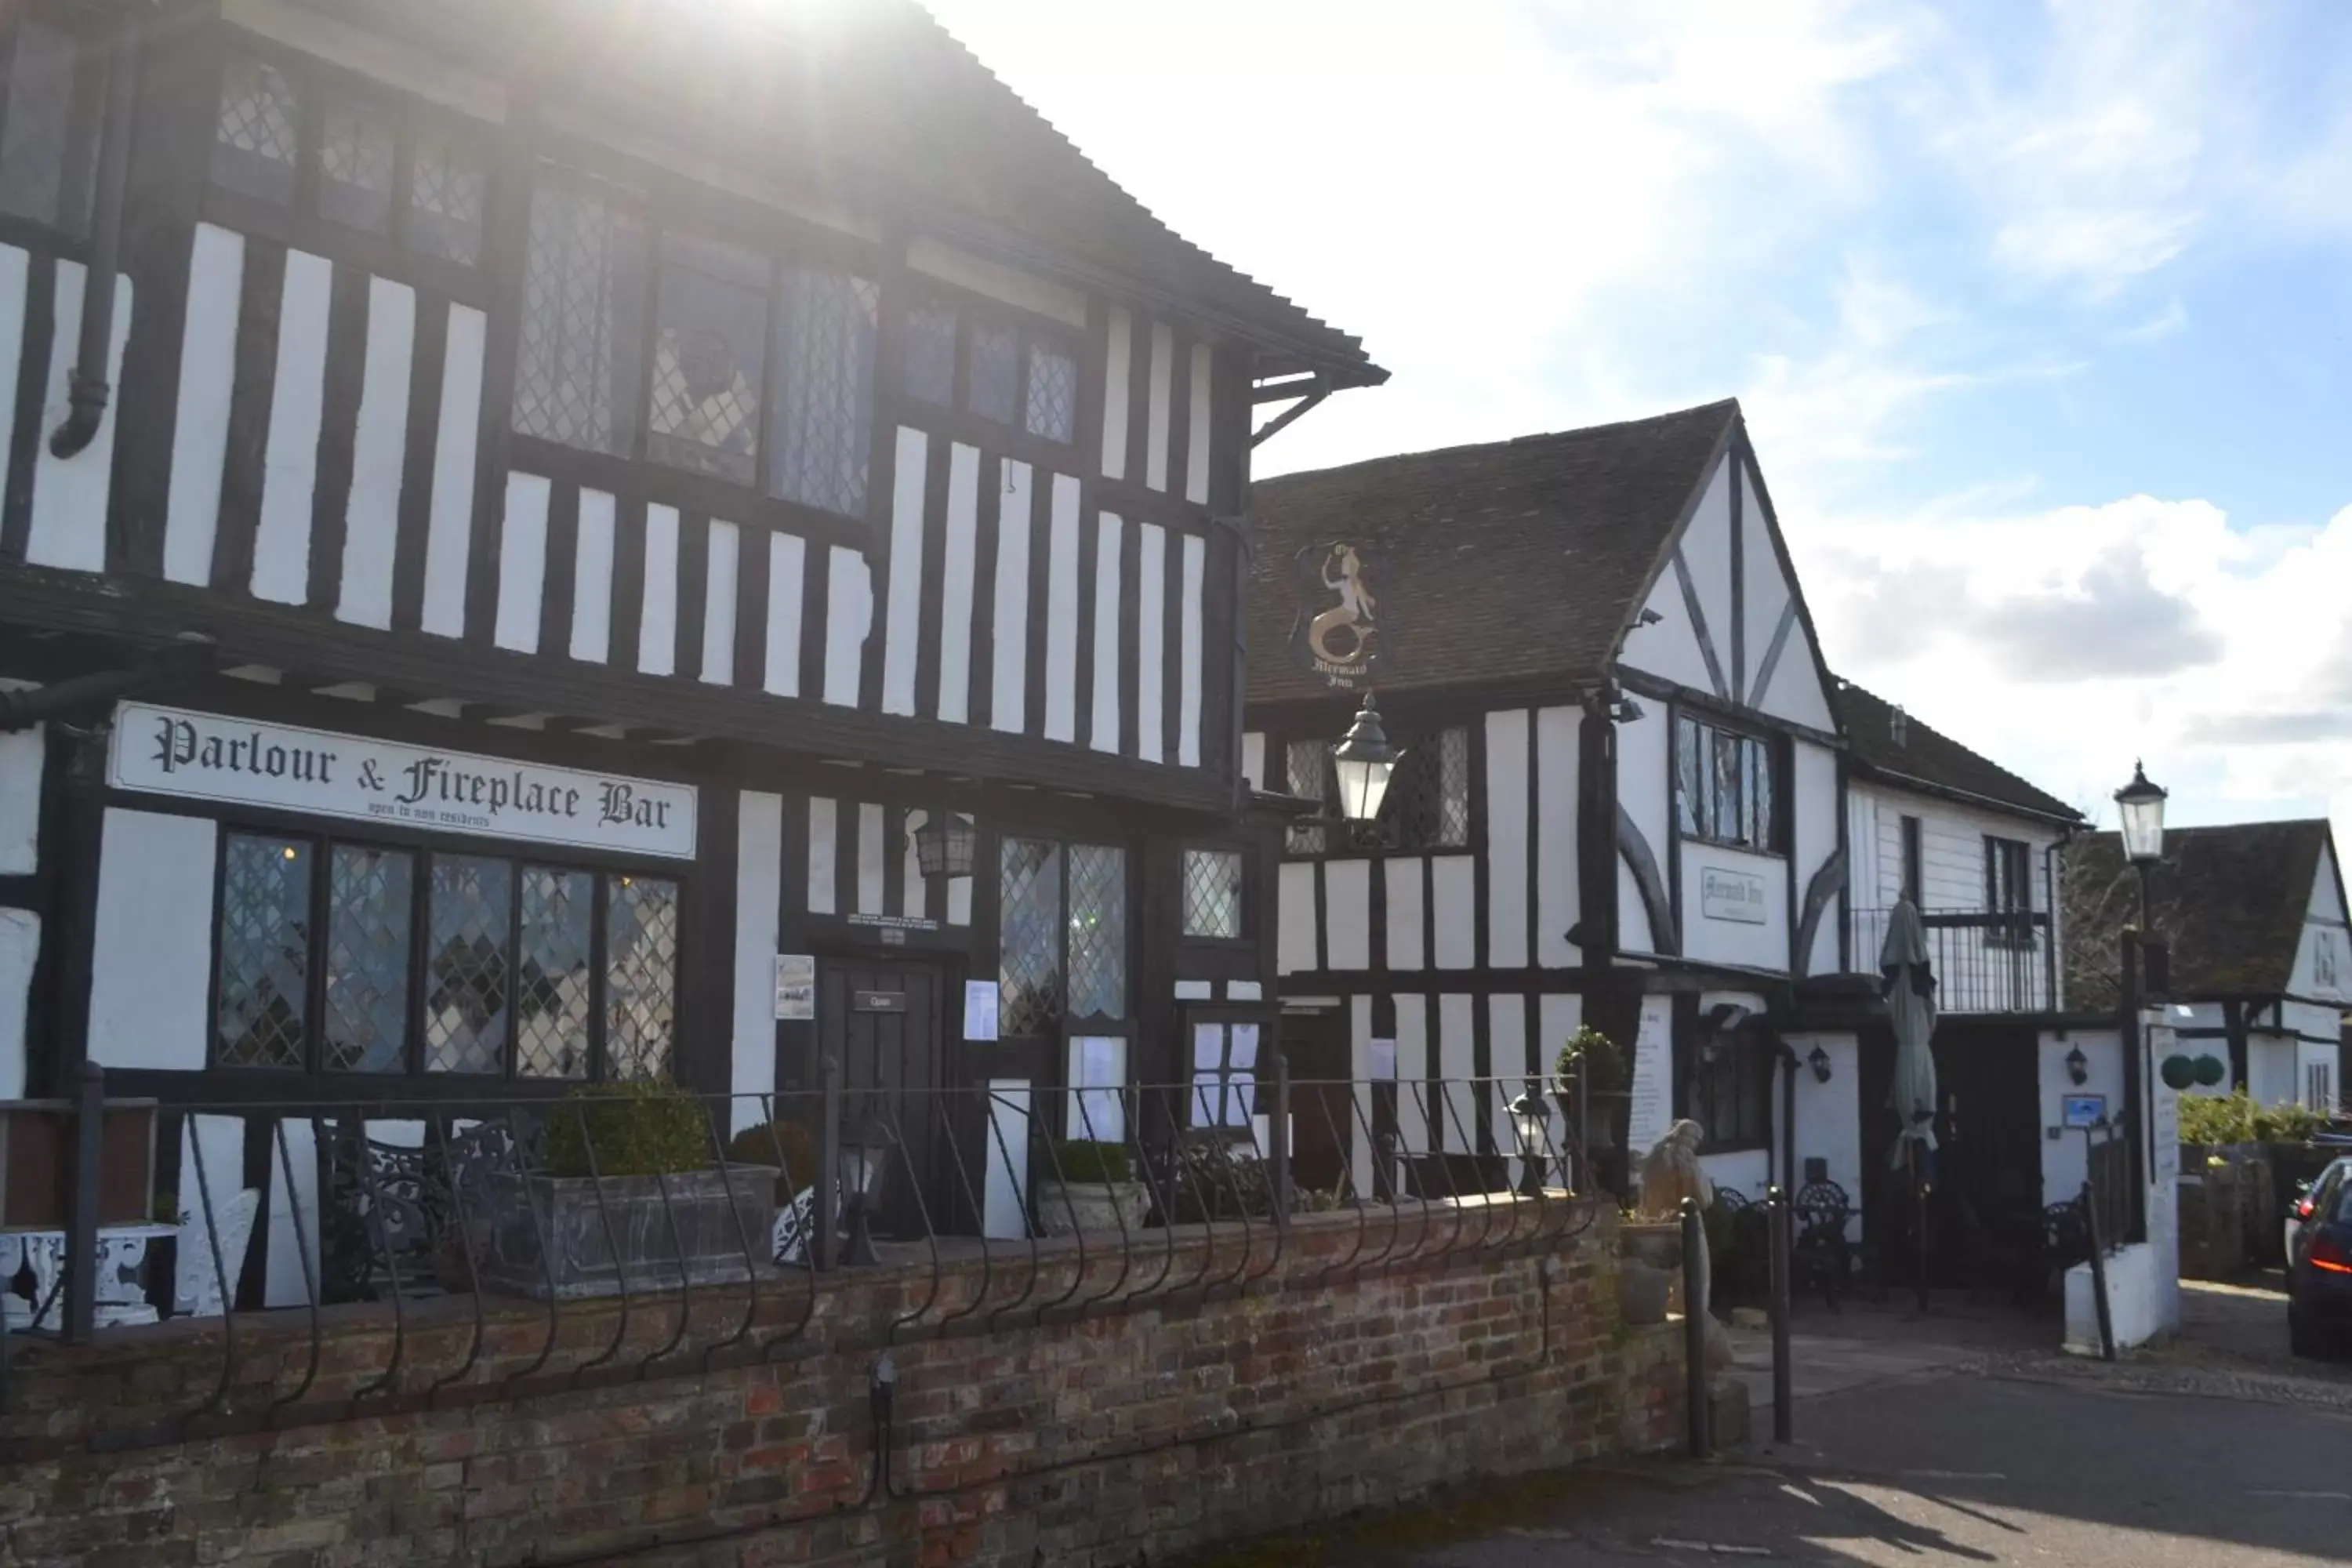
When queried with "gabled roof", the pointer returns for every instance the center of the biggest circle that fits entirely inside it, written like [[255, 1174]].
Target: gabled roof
[[1520, 559], [875, 90], [1883, 743], [2231, 901]]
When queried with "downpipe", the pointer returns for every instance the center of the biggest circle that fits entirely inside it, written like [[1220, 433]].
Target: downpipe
[[89, 390]]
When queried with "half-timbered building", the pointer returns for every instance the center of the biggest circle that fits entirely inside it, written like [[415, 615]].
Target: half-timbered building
[[547, 502], [1620, 797]]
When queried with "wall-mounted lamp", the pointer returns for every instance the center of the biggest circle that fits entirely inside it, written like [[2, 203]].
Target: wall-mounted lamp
[[944, 845], [1819, 1062], [1648, 618], [1626, 711], [2078, 1067]]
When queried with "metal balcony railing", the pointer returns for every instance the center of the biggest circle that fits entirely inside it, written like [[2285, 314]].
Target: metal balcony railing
[[1984, 962]]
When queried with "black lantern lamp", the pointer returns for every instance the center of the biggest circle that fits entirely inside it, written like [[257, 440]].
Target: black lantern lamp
[[944, 845], [1531, 1122], [2139, 807], [1365, 761], [2078, 1067], [1819, 1062], [865, 1174]]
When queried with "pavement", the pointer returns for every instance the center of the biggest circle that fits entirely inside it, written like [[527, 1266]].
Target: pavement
[[1961, 1436]]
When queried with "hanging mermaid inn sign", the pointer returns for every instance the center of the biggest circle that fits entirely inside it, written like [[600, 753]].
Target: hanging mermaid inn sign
[[1335, 635]]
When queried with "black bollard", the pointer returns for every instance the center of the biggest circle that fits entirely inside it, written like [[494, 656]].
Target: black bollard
[[1695, 1329], [1784, 1415]]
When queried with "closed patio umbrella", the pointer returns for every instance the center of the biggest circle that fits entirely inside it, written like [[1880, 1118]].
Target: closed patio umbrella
[[1909, 987]]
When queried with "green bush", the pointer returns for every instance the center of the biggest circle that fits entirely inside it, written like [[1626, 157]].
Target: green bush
[[1214, 1180], [643, 1128], [2236, 1119], [1082, 1162], [1593, 1053], [759, 1146]]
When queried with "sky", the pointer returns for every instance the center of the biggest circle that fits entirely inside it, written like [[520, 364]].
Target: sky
[[2040, 310]]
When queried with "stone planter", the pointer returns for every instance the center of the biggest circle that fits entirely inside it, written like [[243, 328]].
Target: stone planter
[[1098, 1205], [590, 1243]]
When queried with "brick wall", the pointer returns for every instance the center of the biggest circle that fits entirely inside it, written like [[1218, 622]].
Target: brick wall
[[1074, 1434]]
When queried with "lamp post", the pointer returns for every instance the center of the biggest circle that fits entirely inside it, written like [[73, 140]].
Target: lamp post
[[865, 1169], [1365, 761], [2139, 808], [1530, 1119]]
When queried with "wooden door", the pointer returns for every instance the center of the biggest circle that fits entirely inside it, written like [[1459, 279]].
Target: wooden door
[[881, 1021]]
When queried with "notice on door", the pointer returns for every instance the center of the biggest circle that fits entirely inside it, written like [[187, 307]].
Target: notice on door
[[979, 1010]]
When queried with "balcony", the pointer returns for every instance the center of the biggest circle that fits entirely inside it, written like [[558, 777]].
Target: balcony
[[1984, 962]]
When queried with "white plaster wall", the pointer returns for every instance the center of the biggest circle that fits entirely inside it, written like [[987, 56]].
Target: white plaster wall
[[2271, 1075], [1829, 1115], [20, 946], [20, 800], [1763, 945], [2065, 1166], [1748, 1171], [1816, 840], [151, 968], [1294, 943], [1952, 849], [2136, 1296], [1644, 791], [2319, 1096]]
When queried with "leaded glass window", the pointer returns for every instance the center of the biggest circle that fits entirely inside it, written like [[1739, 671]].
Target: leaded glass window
[[1097, 962], [1722, 786], [710, 329], [261, 1018], [995, 383], [1307, 768], [255, 149], [1029, 937], [1053, 403], [578, 363], [641, 977], [554, 980], [1428, 806], [824, 360], [355, 166], [447, 191], [930, 353], [470, 924], [371, 896], [1213, 893], [44, 167]]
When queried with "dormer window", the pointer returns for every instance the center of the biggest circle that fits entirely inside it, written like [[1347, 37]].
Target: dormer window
[[717, 358]]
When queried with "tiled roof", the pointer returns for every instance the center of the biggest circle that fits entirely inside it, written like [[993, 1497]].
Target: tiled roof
[[1908, 751], [1511, 561], [2231, 900]]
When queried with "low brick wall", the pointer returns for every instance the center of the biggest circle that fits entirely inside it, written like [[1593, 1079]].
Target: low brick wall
[[1074, 1435]]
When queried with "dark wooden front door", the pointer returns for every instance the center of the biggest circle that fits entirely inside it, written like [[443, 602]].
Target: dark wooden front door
[[881, 1022]]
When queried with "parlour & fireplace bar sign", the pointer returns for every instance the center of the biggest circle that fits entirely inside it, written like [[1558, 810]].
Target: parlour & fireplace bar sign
[[1336, 635], [207, 756]]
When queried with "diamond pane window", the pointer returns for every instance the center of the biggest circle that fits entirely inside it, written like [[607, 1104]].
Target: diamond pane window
[[355, 160], [253, 142], [369, 896], [710, 334], [1450, 813], [37, 139], [1213, 893], [578, 362], [552, 1004], [470, 924], [1306, 765], [996, 372], [1053, 410], [640, 977], [447, 189], [821, 404], [1098, 965], [264, 983], [930, 353], [1029, 937]]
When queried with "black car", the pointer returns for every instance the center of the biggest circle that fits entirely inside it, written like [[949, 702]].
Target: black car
[[2319, 1264]]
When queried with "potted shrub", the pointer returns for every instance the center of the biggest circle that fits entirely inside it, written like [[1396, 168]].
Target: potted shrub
[[1593, 1057], [763, 1145], [628, 1197], [1097, 1190]]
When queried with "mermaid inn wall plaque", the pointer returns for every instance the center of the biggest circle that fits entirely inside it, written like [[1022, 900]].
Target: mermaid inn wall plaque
[[1336, 635]]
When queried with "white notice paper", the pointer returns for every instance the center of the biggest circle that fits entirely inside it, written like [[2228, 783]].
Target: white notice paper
[[979, 1010], [1383, 1062], [1098, 1075], [1651, 1111], [795, 986]]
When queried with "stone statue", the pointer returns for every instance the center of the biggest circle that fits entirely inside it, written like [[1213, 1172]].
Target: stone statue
[[1671, 1172]]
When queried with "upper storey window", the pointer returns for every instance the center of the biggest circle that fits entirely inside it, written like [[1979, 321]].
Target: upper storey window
[[1722, 786], [351, 161], [720, 359], [1021, 376], [47, 142]]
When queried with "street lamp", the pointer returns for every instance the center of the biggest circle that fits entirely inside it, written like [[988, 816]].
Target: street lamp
[[944, 845], [2141, 807], [1531, 1120], [865, 1170], [1365, 761]]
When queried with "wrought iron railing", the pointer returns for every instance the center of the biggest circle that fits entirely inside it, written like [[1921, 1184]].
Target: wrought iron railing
[[466, 1223], [1984, 962]]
